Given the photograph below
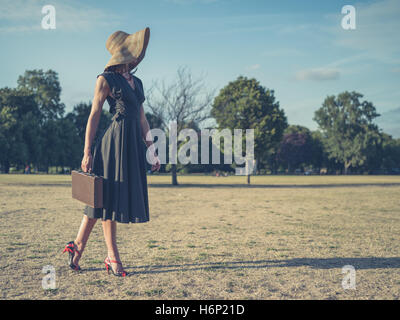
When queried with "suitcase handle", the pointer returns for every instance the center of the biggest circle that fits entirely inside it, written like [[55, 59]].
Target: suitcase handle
[[87, 173]]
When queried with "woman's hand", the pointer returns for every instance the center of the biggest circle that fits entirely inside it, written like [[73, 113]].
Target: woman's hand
[[156, 166], [86, 164], [154, 160]]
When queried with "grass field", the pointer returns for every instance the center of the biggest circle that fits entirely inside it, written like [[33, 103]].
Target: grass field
[[283, 237]]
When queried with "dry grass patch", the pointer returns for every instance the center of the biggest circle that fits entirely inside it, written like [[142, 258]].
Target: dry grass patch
[[205, 242]]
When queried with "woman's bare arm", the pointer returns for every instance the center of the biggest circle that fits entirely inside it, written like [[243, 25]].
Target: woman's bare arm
[[101, 92]]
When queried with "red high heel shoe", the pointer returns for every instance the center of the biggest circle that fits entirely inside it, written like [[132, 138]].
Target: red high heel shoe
[[71, 248], [108, 262]]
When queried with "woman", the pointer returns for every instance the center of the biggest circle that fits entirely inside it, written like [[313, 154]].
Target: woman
[[119, 157]]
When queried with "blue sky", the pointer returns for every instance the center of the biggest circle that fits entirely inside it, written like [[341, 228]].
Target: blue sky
[[297, 48]]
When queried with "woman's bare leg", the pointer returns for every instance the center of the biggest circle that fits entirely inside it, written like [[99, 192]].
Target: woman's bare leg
[[110, 235], [82, 237]]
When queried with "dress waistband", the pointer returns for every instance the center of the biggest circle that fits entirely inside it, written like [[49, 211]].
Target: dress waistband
[[122, 112], [118, 116]]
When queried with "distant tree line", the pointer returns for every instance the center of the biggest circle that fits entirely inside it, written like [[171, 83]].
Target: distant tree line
[[35, 131]]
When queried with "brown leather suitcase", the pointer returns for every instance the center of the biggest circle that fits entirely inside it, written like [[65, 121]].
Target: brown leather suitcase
[[87, 188]]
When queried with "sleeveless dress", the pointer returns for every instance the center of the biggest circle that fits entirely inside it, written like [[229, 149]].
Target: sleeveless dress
[[119, 156]]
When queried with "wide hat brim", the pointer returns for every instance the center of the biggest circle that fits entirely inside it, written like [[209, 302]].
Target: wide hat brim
[[127, 48]]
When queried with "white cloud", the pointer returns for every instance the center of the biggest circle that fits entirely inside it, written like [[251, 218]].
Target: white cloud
[[295, 28], [237, 30], [26, 16], [318, 74], [283, 52], [376, 32], [185, 2], [253, 67]]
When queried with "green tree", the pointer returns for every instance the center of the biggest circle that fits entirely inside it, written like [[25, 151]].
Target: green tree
[[320, 158], [312, 152], [347, 125], [51, 144], [296, 147], [390, 154], [245, 104], [71, 154], [297, 129], [12, 147], [19, 128], [79, 117], [46, 89]]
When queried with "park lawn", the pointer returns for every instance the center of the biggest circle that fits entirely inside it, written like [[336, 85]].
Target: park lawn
[[285, 237], [267, 180]]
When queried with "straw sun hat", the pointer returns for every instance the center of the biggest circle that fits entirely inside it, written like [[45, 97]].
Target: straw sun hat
[[127, 48]]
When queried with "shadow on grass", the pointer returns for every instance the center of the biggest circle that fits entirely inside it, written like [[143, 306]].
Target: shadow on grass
[[243, 185], [226, 185], [315, 263]]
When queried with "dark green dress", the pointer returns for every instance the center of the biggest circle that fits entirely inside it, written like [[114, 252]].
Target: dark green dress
[[119, 156]]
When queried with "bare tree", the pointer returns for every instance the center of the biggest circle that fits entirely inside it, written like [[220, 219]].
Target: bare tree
[[183, 101]]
